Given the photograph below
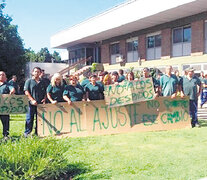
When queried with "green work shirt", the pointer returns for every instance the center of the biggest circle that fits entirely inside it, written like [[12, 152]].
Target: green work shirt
[[75, 93], [56, 92], [36, 90], [85, 82], [5, 88], [94, 91], [121, 78], [102, 88], [168, 84], [189, 87], [15, 85]]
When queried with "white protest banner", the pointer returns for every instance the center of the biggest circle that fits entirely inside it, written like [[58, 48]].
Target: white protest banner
[[13, 104], [129, 92]]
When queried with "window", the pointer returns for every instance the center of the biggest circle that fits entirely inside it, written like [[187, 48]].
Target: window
[[154, 47], [181, 41], [132, 50], [114, 50], [74, 55]]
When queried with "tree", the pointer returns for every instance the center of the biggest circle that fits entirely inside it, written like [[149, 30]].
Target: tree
[[12, 53], [30, 55], [44, 55], [56, 56]]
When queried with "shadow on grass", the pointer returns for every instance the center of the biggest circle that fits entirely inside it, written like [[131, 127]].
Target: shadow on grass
[[72, 171], [203, 123]]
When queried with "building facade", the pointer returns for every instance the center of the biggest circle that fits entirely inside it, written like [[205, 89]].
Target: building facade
[[142, 33]]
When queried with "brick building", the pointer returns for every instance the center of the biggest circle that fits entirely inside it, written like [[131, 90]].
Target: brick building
[[142, 33]]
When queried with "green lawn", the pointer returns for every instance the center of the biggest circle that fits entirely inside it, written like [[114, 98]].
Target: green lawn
[[178, 154]]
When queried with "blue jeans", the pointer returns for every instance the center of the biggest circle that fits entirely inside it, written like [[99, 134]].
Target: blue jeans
[[194, 111], [5, 123], [32, 111], [204, 98]]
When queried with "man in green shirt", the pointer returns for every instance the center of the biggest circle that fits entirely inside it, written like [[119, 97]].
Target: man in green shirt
[[169, 83], [5, 88], [191, 86], [35, 90]]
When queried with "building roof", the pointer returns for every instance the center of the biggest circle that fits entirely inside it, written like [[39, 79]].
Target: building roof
[[130, 16]]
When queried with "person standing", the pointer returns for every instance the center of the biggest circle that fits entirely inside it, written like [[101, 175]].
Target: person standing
[[5, 88], [121, 76], [13, 82], [93, 89], [55, 89], [202, 81], [169, 83], [191, 86], [34, 89], [204, 90], [146, 74], [74, 91]]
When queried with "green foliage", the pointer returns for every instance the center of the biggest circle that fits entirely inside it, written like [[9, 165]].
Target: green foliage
[[56, 56], [175, 154], [30, 55], [93, 67], [42, 56], [12, 59]]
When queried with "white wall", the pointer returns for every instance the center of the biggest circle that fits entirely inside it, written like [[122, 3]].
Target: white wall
[[50, 68]]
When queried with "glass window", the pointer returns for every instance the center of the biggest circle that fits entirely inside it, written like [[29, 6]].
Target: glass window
[[71, 54], [157, 40], [177, 35], [132, 46], [114, 48], [187, 34], [150, 42], [135, 45]]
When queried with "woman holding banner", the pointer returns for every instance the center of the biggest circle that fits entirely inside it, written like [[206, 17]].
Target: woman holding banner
[[55, 89], [74, 91]]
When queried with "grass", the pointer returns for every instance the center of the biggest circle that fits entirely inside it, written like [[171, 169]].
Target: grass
[[178, 154]]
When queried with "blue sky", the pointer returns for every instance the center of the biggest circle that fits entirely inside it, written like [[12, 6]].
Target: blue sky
[[38, 20]]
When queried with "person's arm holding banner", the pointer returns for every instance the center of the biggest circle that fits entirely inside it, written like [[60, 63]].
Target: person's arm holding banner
[[32, 100], [50, 99], [66, 95]]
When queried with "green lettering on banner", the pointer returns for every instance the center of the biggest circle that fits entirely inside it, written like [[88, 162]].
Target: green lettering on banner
[[149, 119], [125, 118], [173, 117], [107, 117], [111, 112], [129, 93], [73, 117], [154, 104], [61, 114], [96, 119], [46, 121], [13, 104]]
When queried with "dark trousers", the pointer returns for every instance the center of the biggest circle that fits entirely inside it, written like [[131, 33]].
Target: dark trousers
[[193, 111], [32, 112], [201, 95], [204, 98], [5, 123]]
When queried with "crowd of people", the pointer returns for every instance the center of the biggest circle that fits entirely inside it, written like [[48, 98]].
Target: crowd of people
[[40, 89]]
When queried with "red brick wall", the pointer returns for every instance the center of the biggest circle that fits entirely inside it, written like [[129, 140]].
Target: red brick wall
[[197, 35], [166, 36], [105, 53], [142, 47]]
